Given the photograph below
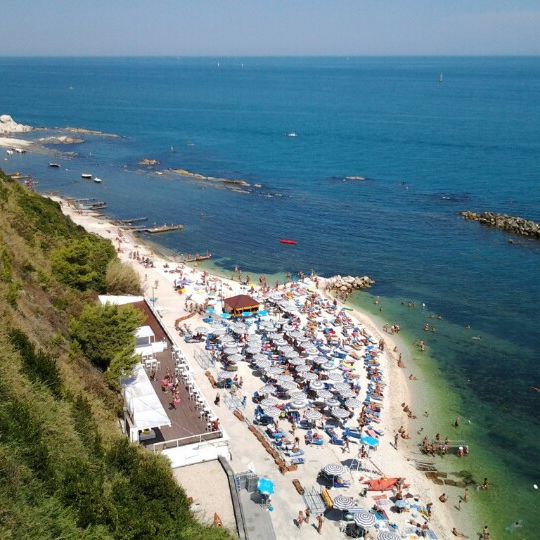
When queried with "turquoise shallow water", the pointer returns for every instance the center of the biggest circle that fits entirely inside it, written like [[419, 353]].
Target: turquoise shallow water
[[427, 151]]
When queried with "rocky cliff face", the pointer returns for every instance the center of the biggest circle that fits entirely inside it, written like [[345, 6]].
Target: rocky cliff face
[[515, 225], [8, 126]]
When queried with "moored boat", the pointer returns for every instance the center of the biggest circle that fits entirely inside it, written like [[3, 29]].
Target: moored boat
[[288, 242], [86, 176], [54, 165]]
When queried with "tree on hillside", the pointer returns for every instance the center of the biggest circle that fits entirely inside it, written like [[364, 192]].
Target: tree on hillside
[[82, 263], [106, 336]]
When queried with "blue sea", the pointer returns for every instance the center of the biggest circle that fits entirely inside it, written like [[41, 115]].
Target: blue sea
[[425, 150]]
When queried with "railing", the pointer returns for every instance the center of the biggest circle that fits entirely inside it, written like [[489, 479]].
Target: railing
[[212, 438]]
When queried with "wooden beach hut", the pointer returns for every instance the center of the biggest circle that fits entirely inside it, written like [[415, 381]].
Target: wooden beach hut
[[236, 305]]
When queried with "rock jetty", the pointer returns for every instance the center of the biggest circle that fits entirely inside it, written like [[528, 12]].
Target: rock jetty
[[515, 225], [347, 284], [62, 139], [8, 125], [148, 162]]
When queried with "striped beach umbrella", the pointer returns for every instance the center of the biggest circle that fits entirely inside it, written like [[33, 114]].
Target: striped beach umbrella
[[328, 366], [347, 393], [342, 502], [259, 356], [274, 370], [267, 389], [320, 360], [298, 395], [291, 355], [340, 413], [269, 402], [324, 394], [387, 535], [302, 368], [296, 361], [285, 378], [340, 387], [334, 469], [353, 403], [364, 519], [332, 402], [308, 376], [312, 415], [272, 412], [287, 385], [231, 350], [219, 331], [335, 377], [253, 350], [280, 342], [298, 404], [263, 363], [234, 357]]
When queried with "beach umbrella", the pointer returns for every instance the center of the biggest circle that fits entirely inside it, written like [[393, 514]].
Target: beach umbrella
[[288, 385], [332, 402], [265, 486], [341, 387], [387, 535], [210, 310], [298, 404], [336, 377], [201, 330], [259, 356], [312, 415], [218, 331], [239, 328], [320, 360], [370, 441], [293, 354], [225, 316], [316, 385], [285, 349], [275, 335], [272, 412], [288, 328], [401, 504], [234, 357], [364, 519], [296, 334], [302, 368], [296, 361], [285, 378], [302, 340], [274, 370], [347, 393], [308, 376], [231, 350], [334, 469], [253, 350], [340, 413], [275, 296], [298, 395], [327, 366], [342, 502], [246, 314], [311, 350], [263, 363], [280, 342], [262, 313], [353, 403], [324, 394], [269, 402], [267, 389]]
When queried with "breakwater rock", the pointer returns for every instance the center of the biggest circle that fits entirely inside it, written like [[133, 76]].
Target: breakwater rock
[[515, 225], [8, 125], [62, 139], [148, 162], [347, 284]]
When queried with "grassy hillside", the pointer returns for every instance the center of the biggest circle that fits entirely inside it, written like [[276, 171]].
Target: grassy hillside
[[65, 469]]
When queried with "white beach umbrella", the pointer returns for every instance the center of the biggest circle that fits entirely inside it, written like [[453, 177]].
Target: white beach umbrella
[[298, 395], [296, 361], [298, 404], [312, 415], [342, 502], [387, 535], [308, 376], [285, 378], [274, 370], [328, 366], [203, 330], [302, 368], [334, 469], [341, 387], [285, 349], [311, 350], [259, 356], [234, 357], [364, 519], [347, 393], [295, 334], [288, 327], [320, 360], [280, 342], [332, 402], [218, 331], [324, 394], [316, 385], [340, 413], [272, 412], [335, 377], [253, 350], [231, 350], [288, 385], [267, 389], [263, 363], [353, 403], [269, 402]]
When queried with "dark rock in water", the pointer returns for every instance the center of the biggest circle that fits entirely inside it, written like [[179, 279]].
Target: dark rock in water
[[515, 225]]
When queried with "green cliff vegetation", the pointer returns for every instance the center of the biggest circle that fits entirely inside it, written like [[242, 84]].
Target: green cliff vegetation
[[66, 471]]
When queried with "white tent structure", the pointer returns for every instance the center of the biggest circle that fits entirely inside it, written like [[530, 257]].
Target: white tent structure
[[143, 410]]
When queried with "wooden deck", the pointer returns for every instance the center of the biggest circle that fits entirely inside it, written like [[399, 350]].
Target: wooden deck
[[186, 422]]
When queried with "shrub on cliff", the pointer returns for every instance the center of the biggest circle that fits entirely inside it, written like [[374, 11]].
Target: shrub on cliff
[[122, 279]]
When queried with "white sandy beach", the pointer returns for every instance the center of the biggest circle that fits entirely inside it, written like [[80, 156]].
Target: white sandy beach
[[248, 452]]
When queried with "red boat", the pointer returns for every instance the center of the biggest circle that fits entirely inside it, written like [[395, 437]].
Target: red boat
[[288, 242]]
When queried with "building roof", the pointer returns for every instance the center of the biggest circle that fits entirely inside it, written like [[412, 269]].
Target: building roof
[[241, 301], [118, 300], [144, 332]]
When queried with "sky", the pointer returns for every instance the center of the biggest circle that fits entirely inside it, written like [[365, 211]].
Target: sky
[[268, 27]]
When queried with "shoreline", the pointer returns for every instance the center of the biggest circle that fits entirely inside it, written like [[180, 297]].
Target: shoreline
[[443, 519]]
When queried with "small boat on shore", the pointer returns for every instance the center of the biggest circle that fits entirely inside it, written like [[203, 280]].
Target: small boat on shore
[[54, 165], [86, 176], [197, 258], [288, 242], [131, 221], [98, 180], [161, 229], [9, 152]]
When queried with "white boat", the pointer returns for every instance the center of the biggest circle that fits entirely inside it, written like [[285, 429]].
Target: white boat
[[98, 180], [54, 165], [86, 176], [20, 150], [292, 134], [9, 152]]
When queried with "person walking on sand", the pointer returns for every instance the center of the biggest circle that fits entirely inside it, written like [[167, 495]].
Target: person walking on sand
[[320, 521], [308, 514], [396, 439], [300, 519], [217, 400]]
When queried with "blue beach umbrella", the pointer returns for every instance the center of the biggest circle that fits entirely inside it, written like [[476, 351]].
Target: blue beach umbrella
[[263, 313], [265, 486], [370, 441], [246, 314], [225, 316], [210, 310]]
